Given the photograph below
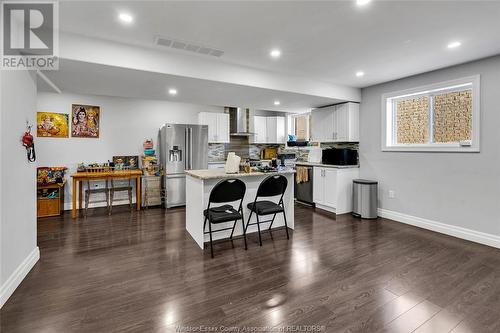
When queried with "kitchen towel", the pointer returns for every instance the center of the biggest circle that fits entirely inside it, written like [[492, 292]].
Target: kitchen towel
[[302, 175]]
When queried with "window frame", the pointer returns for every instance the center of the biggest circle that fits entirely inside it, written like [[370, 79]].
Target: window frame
[[388, 118], [308, 128]]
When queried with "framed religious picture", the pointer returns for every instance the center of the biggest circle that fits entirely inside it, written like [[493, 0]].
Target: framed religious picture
[[126, 162], [133, 162], [85, 121], [119, 162], [52, 125]]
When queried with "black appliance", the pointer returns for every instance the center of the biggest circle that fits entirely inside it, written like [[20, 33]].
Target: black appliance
[[340, 156], [304, 191], [297, 143]]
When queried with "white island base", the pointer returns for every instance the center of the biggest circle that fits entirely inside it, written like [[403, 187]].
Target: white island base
[[199, 183]]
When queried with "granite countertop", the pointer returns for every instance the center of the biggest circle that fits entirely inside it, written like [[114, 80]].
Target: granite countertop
[[221, 174], [326, 165], [224, 161]]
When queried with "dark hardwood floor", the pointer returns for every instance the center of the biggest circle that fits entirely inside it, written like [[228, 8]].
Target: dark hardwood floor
[[141, 272]]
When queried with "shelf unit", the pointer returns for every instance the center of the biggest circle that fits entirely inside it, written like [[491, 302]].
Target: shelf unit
[[50, 199]]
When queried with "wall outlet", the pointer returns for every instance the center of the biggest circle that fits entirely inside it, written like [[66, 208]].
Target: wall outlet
[[392, 194]]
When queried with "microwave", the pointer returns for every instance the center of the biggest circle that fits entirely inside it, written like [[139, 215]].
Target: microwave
[[340, 156]]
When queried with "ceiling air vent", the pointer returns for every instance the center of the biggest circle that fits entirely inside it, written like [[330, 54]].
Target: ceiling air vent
[[164, 42], [188, 46]]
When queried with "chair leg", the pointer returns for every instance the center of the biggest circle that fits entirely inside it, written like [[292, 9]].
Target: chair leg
[[87, 198], [130, 198], [286, 225], [205, 224], [210, 232], [111, 197], [249, 217], [232, 231], [107, 202], [258, 228], [244, 232], [272, 221]]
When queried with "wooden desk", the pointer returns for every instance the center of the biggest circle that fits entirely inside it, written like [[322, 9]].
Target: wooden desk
[[79, 177]]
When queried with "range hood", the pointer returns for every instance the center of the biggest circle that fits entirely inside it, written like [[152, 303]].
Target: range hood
[[239, 119]]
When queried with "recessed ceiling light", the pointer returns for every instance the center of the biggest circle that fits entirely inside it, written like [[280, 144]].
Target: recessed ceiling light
[[453, 45], [124, 17], [277, 103], [172, 91], [362, 2], [275, 53], [360, 73]]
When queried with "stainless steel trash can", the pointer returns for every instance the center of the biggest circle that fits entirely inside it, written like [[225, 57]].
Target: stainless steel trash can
[[364, 199]]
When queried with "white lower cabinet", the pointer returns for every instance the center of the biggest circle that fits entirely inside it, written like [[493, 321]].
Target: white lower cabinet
[[332, 188], [318, 186]]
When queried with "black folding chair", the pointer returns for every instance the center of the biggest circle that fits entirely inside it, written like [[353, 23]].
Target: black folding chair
[[225, 191], [271, 186]]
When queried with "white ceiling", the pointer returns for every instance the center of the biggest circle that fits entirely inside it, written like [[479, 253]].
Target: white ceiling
[[95, 79], [328, 40]]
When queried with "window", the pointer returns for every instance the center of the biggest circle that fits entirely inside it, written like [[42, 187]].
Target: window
[[299, 126], [438, 117], [302, 127]]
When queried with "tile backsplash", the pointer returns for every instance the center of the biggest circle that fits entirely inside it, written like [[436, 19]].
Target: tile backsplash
[[240, 145], [216, 152], [303, 152], [244, 149], [255, 149]]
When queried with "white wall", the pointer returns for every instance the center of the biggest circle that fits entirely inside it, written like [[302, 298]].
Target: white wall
[[459, 190], [125, 124], [18, 249]]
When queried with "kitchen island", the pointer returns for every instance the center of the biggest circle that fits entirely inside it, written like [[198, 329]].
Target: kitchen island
[[199, 183]]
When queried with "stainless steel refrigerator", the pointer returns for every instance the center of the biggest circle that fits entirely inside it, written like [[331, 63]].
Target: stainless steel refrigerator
[[182, 147]]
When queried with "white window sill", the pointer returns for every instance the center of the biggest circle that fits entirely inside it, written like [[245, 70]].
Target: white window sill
[[433, 149]]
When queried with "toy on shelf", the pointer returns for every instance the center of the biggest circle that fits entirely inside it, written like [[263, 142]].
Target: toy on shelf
[[50, 175], [148, 147], [150, 165]]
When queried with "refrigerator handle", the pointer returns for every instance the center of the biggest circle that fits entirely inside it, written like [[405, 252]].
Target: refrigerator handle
[[186, 141], [190, 148]]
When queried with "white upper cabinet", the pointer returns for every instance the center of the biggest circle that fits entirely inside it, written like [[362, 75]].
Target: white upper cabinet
[[338, 123], [322, 124], [260, 129], [269, 129], [218, 126], [316, 125], [346, 122], [222, 127]]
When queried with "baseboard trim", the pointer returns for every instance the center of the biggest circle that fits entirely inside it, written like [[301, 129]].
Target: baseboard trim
[[327, 208], [443, 228], [15, 279]]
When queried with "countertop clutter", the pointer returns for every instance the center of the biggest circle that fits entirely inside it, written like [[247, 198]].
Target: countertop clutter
[[298, 163], [221, 174]]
